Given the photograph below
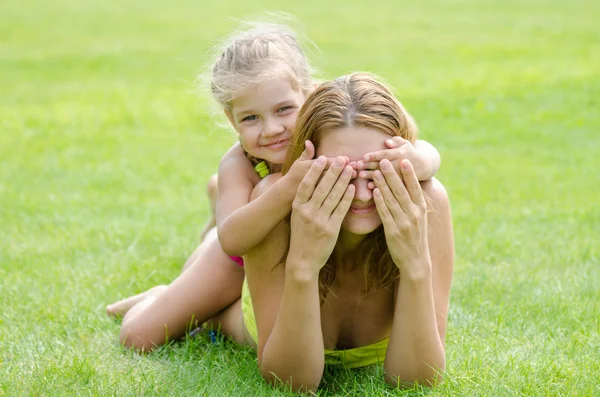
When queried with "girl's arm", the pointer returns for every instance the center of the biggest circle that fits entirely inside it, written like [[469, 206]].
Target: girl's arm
[[423, 156], [286, 298], [242, 224], [421, 242], [429, 160]]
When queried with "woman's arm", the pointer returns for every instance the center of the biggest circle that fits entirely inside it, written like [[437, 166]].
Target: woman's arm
[[242, 224], [286, 300], [420, 239]]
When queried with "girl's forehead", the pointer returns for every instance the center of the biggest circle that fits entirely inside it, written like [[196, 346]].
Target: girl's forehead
[[353, 142], [269, 92]]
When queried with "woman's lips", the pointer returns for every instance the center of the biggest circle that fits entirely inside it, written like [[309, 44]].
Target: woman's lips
[[362, 210]]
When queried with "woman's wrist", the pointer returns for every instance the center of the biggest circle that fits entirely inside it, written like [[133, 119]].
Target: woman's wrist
[[300, 270], [416, 270]]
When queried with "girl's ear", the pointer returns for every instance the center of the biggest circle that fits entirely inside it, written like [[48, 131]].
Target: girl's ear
[[230, 118]]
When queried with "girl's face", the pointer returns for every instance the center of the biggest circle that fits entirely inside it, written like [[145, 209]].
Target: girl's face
[[265, 116], [354, 142]]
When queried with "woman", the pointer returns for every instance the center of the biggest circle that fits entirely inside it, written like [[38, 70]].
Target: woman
[[357, 266]]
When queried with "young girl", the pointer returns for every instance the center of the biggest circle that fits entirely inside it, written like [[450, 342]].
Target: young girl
[[261, 80]]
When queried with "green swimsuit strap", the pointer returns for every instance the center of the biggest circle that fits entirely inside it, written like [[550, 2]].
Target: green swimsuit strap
[[261, 169]]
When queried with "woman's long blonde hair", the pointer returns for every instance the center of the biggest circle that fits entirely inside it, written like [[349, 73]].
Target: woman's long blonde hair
[[357, 99]]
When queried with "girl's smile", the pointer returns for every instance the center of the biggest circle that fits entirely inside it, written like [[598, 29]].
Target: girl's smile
[[265, 116]]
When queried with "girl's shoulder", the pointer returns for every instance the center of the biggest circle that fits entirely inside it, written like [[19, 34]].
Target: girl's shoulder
[[236, 152], [235, 164]]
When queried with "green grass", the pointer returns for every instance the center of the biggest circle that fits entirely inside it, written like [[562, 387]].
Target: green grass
[[105, 151]]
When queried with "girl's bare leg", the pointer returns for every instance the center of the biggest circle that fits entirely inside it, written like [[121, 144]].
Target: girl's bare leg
[[211, 189], [121, 307], [210, 284], [231, 323]]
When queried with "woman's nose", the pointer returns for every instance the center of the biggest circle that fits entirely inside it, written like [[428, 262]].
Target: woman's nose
[[362, 192]]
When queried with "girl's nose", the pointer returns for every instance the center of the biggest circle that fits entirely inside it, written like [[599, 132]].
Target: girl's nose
[[272, 128]]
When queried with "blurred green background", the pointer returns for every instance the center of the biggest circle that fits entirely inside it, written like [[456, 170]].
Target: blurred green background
[[105, 150]]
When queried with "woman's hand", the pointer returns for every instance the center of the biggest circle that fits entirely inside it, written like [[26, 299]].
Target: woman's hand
[[301, 166], [320, 206], [403, 211]]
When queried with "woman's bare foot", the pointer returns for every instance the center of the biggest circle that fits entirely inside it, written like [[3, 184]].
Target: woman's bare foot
[[120, 308]]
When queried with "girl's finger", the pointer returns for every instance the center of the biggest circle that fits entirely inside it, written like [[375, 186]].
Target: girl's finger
[[390, 200], [389, 154], [337, 192], [396, 185], [309, 151], [395, 142], [327, 182], [371, 185], [412, 183], [371, 165], [384, 213], [343, 206], [307, 186]]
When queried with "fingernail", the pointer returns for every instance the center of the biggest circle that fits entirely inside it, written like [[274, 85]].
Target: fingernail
[[377, 174], [339, 162], [389, 141], [384, 164], [406, 165], [367, 158], [363, 175], [376, 192], [321, 160], [347, 170]]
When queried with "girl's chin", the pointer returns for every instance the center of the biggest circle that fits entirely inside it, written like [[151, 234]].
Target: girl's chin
[[273, 157]]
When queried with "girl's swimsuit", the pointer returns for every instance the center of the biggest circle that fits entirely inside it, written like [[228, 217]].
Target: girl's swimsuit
[[262, 170], [350, 358]]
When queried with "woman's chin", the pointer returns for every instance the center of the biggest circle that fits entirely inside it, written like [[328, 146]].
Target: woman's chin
[[360, 226]]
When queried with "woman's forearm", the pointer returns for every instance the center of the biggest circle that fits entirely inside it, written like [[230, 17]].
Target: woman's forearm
[[294, 352], [415, 352], [247, 226]]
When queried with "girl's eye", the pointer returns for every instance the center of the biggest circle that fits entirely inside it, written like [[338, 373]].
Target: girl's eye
[[283, 109], [248, 118]]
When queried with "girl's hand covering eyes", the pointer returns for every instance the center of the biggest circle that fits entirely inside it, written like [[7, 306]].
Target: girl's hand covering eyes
[[399, 149], [322, 201], [403, 211]]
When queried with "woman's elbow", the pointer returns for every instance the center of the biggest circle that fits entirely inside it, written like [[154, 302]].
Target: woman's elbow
[[429, 377], [299, 383]]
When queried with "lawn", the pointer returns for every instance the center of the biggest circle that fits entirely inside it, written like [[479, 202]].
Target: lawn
[[105, 150]]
